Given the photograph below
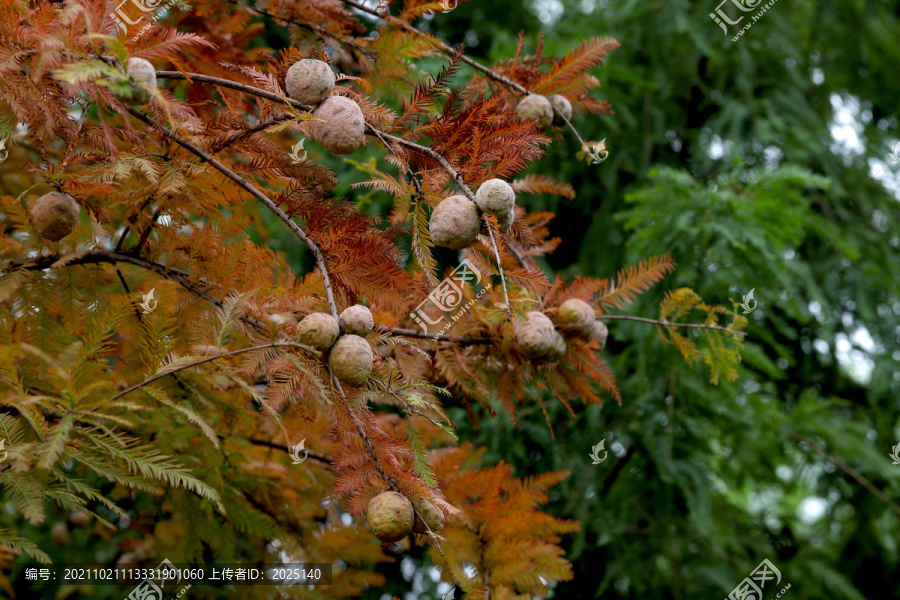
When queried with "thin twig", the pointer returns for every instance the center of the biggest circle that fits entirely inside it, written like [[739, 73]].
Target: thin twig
[[205, 360], [112, 257], [502, 278], [243, 183], [462, 340], [491, 74], [443, 46], [261, 126], [849, 471], [257, 442], [424, 150], [312, 27], [669, 324]]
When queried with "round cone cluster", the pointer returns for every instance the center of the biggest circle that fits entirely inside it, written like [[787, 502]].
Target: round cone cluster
[[576, 317], [350, 356], [536, 336], [340, 125], [539, 337], [351, 360], [545, 111], [428, 517], [309, 81], [389, 517], [319, 330], [141, 75], [456, 221], [55, 215], [357, 320], [561, 108], [537, 108], [496, 197]]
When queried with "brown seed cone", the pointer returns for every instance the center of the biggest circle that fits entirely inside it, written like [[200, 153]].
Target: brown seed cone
[[575, 316], [427, 514], [55, 215], [454, 222], [141, 71], [357, 319], [319, 330], [309, 81], [505, 221], [351, 360], [600, 333], [495, 197], [558, 347], [534, 337], [561, 106], [59, 533], [536, 107], [389, 517], [342, 125], [79, 518]]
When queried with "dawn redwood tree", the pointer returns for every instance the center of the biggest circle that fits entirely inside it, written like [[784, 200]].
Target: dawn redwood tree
[[160, 363]]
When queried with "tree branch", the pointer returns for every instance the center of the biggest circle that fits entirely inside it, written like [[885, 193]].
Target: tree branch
[[668, 324], [205, 360], [859, 477], [327, 460], [456, 339], [423, 150], [243, 183], [322, 32], [491, 74]]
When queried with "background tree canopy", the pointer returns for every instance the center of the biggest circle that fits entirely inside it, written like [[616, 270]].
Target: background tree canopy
[[761, 164]]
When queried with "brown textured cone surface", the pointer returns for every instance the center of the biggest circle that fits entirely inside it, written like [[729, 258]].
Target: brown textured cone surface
[[454, 223], [495, 197], [557, 347], [142, 71], [389, 517], [561, 106], [357, 319], [599, 332], [55, 215], [351, 360], [319, 330], [309, 81], [536, 107], [427, 514], [575, 316], [342, 125], [534, 337], [505, 221]]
